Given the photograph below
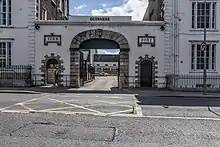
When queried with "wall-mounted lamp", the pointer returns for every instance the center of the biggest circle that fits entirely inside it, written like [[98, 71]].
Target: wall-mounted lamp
[[162, 28], [52, 34], [37, 27]]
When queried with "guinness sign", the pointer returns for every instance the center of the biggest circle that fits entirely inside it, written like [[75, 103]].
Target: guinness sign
[[52, 39], [99, 18]]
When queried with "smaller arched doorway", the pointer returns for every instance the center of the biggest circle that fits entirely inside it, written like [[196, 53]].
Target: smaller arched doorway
[[52, 65], [146, 74], [48, 64]]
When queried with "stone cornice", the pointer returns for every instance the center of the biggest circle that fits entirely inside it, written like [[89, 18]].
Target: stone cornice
[[132, 23]]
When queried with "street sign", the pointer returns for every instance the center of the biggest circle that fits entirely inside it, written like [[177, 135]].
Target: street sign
[[202, 46]]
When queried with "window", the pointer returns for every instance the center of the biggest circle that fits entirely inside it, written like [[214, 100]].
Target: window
[[106, 64], [114, 64], [44, 14], [197, 57], [98, 64], [5, 54], [198, 18], [5, 12]]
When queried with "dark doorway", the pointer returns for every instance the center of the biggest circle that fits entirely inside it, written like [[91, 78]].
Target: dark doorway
[[52, 65], [146, 74]]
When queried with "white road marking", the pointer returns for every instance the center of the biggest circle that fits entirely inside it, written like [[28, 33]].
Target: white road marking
[[77, 106], [70, 112], [15, 111], [118, 112], [113, 103], [26, 107], [126, 106], [139, 110], [60, 108], [183, 118], [20, 103]]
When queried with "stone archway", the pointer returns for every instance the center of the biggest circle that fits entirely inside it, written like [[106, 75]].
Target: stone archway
[[99, 34], [44, 67], [138, 70]]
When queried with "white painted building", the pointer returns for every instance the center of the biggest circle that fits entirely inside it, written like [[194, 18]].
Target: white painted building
[[14, 22], [107, 63], [24, 41], [184, 35], [69, 31]]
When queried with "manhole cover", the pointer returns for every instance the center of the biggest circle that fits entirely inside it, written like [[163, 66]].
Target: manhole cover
[[50, 130]]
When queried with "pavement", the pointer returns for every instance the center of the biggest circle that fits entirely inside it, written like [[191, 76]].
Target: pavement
[[108, 85]]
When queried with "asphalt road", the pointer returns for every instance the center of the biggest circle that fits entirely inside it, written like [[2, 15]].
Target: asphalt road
[[49, 130], [72, 103], [101, 83], [97, 119]]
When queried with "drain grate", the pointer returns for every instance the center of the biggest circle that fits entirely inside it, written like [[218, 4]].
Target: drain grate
[[51, 130]]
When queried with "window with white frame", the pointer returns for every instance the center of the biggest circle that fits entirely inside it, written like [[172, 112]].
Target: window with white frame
[[44, 14], [5, 12], [198, 58], [5, 53], [198, 18]]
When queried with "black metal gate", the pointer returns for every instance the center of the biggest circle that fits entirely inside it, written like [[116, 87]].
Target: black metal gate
[[146, 74], [15, 76]]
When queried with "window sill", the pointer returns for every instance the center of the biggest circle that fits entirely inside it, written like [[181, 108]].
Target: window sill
[[201, 71], [6, 26], [202, 30]]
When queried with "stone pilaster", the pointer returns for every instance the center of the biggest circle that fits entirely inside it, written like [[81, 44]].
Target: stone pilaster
[[74, 68], [124, 69]]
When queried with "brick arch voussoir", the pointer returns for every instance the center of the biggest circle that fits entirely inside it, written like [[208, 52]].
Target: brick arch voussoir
[[99, 34]]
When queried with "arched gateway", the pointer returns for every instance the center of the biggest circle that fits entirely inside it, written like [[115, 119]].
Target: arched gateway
[[99, 34]]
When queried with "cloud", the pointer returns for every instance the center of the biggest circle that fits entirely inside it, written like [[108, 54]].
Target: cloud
[[80, 7], [106, 52], [104, 5], [134, 8]]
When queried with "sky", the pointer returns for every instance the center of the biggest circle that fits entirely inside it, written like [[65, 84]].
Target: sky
[[134, 8]]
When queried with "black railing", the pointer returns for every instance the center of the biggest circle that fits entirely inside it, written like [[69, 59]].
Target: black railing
[[192, 81], [21, 76], [15, 75], [187, 81]]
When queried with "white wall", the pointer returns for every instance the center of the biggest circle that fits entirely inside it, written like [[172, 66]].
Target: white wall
[[18, 31], [186, 33], [130, 32]]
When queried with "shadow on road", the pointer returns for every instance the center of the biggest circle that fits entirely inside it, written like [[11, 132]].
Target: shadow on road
[[179, 101]]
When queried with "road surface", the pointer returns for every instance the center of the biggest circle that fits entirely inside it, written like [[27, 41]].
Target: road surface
[[101, 83], [58, 130], [97, 119]]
